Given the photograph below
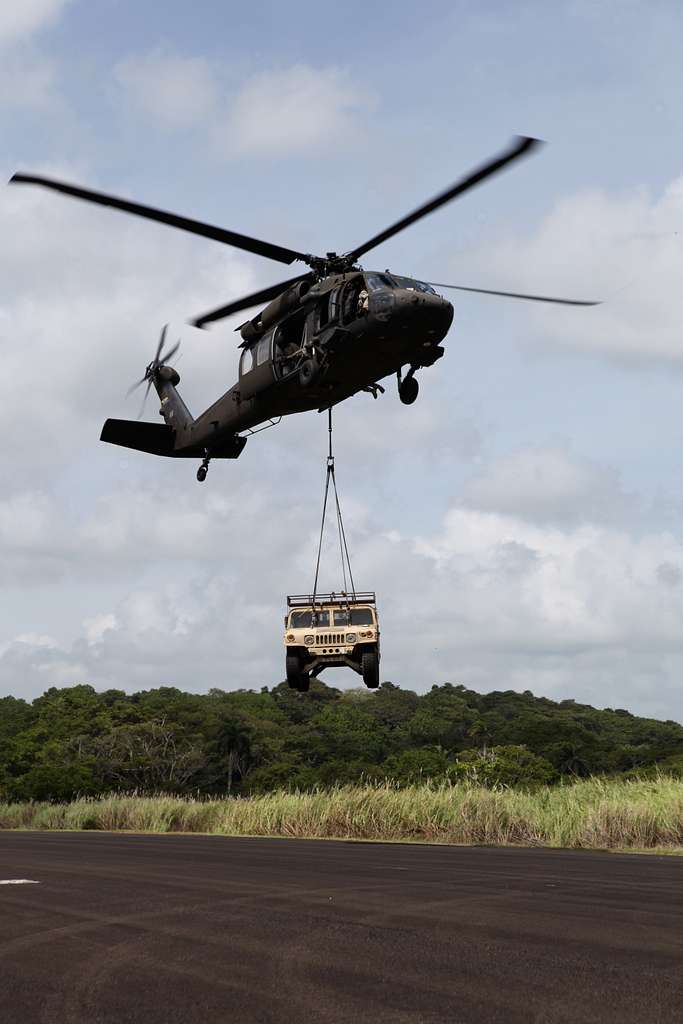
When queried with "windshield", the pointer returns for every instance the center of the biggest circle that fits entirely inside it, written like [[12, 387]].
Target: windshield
[[354, 617], [415, 286], [304, 619], [376, 282]]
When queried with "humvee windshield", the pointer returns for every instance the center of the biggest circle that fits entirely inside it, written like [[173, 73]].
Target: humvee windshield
[[341, 617], [304, 619], [353, 617]]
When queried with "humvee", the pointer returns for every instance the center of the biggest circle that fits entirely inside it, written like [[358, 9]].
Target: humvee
[[331, 630]]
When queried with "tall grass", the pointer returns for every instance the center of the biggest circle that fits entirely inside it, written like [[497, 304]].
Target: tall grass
[[592, 814]]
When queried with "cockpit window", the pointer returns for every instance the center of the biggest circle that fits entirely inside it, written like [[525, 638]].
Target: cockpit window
[[247, 361], [376, 282], [263, 349], [411, 285]]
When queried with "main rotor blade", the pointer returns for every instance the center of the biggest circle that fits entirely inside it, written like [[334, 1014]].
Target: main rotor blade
[[265, 295], [520, 146], [195, 227], [516, 295]]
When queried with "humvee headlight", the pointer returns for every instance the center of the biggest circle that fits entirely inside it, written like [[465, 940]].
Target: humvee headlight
[[350, 638], [290, 638], [309, 639]]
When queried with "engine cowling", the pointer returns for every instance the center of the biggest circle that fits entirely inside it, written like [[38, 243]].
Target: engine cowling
[[285, 303]]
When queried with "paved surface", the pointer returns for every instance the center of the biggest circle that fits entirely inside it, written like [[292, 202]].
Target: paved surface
[[188, 928]]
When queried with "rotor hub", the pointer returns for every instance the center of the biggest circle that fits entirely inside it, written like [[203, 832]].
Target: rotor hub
[[331, 263]]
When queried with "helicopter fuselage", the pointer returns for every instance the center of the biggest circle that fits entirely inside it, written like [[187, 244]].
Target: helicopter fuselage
[[356, 328], [325, 334], [340, 336]]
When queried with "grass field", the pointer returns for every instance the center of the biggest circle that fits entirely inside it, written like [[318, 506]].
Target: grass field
[[592, 814]]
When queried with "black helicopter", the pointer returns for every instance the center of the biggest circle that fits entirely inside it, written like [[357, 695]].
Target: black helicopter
[[323, 336]]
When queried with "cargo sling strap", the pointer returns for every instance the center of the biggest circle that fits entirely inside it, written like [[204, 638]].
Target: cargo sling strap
[[343, 547]]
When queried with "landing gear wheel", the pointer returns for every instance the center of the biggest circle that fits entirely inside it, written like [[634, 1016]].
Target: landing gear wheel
[[204, 468], [309, 372], [370, 667], [408, 390]]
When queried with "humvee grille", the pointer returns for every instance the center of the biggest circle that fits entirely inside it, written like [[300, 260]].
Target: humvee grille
[[329, 638]]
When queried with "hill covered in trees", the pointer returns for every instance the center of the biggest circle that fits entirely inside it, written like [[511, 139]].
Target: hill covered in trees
[[77, 741]]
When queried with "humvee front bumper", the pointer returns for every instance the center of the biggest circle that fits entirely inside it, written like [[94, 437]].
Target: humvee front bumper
[[317, 658], [317, 662]]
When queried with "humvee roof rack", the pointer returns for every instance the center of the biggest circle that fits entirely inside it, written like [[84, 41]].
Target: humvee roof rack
[[307, 600]]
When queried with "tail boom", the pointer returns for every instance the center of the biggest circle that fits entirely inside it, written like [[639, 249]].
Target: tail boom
[[160, 439]]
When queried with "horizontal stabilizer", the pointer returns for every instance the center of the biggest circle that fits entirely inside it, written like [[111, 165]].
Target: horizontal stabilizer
[[159, 439]]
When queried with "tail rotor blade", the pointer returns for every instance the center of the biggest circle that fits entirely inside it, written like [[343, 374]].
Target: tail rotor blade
[[144, 400], [134, 387], [150, 377], [162, 339], [169, 355]]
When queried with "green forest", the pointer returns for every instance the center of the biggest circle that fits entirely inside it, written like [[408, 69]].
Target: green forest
[[76, 741]]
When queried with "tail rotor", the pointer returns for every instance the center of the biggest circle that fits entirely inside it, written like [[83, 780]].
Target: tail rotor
[[160, 358]]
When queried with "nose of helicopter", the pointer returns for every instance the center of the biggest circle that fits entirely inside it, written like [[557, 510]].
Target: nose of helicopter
[[430, 313]]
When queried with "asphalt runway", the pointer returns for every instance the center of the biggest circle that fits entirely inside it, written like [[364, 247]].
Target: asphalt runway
[[128, 928]]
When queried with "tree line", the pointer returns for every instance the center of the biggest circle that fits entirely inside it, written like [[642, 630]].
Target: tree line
[[76, 741]]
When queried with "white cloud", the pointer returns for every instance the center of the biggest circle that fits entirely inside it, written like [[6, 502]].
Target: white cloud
[[535, 579], [625, 249], [274, 112], [545, 484], [95, 628], [535, 585], [295, 109], [20, 18], [176, 91], [28, 81], [84, 294], [489, 598]]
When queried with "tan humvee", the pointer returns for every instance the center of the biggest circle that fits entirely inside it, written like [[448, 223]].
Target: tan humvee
[[332, 630]]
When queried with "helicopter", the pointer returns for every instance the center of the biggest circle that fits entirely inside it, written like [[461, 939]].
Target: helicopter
[[323, 336]]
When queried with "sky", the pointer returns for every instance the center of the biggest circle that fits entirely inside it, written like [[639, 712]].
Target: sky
[[522, 523]]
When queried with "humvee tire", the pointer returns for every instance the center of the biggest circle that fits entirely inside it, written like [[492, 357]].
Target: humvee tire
[[294, 669], [304, 683], [370, 667]]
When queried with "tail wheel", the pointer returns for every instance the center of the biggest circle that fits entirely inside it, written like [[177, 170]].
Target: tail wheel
[[370, 667]]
